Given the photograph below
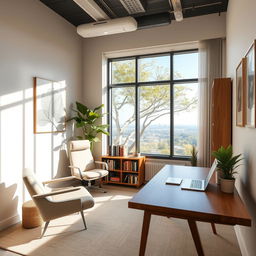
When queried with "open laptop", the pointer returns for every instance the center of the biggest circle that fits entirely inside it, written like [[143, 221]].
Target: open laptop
[[199, 185]]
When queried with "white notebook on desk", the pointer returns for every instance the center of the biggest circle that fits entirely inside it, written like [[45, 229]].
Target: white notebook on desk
[[173, 181]]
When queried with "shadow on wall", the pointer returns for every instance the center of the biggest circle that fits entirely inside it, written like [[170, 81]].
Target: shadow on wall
[[20, 148], [249, 233], [63, 170], [9, 202], [244, 185]]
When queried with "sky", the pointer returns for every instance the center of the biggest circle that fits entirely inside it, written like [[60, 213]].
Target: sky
[[187, 66]]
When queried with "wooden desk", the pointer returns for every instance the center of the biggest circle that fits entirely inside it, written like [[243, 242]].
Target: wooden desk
[[211, 206]]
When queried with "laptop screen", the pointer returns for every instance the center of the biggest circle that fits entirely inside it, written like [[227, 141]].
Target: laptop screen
[[214, 166]]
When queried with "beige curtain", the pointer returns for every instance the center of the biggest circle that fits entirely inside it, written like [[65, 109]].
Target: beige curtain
[[211, 65]]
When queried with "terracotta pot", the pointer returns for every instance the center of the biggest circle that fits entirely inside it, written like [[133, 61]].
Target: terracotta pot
[[227, 186]]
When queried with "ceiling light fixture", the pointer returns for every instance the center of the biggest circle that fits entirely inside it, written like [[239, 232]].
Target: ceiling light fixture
[[177, 9], [107, 27], [133, 6], [92, 9]]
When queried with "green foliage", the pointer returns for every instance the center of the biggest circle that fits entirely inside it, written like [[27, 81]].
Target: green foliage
[[193, 152], [87, 119], [227, 163]]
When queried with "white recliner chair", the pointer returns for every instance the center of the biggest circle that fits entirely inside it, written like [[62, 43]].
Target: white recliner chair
[[82, 164], [51, 205]]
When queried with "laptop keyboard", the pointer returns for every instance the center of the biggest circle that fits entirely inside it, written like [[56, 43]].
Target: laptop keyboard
[[196, 184]]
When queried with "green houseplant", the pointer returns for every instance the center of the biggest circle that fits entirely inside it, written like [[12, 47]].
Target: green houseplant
[[87, 119], [227, 163], [193, 158]]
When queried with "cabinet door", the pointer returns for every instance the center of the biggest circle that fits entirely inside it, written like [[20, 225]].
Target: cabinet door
[[221, 113]]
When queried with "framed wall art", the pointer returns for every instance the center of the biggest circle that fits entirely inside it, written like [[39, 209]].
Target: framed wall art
[[250, 87], [240, 93], [49, 106]]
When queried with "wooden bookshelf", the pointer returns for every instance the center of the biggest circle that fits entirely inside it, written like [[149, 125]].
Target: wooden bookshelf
[[125, 170]]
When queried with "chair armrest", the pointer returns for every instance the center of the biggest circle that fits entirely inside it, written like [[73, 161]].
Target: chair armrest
[[74, 167], [58, 180], [103, 163], [53, 193]]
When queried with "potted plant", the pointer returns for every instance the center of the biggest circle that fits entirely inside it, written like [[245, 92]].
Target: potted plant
[[227, 163], [193, 158], [87, 119]]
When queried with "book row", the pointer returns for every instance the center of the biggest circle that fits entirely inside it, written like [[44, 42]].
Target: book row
[[117, 150], [127, 165], [131, 179], [112, 164], [130, 166]]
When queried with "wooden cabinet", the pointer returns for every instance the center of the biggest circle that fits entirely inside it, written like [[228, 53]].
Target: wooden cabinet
[[125, 170], [221, 113]]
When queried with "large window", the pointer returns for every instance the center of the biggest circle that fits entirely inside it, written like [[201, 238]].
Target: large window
[[153, 103]]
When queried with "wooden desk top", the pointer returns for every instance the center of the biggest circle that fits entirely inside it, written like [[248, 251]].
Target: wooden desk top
[[210, 206]]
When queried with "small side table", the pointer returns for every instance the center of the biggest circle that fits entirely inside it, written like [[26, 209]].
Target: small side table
[[30, 215]]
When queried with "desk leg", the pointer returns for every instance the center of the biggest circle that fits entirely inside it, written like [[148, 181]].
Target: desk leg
[[213, 228], [196, 237], [144, 233]]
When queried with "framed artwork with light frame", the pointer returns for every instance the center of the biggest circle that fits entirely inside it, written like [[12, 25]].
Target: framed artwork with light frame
[[49, 106], [250, 87], [240, 93]]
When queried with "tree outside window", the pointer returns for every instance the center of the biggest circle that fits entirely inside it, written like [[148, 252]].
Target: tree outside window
[[165, 105]]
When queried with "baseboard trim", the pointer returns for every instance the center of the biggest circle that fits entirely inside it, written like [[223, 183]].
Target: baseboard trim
[[241, 241], [9, 222]]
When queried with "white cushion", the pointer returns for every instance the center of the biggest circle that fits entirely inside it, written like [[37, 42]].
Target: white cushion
[[79, 145], [82, 159], [87, 200], [94, 174]]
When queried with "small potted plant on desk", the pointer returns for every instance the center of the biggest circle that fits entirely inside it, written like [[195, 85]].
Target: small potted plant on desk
[[227, 163]]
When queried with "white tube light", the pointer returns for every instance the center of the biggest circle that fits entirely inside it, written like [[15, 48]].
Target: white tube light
[[92, 9], [107, 27]]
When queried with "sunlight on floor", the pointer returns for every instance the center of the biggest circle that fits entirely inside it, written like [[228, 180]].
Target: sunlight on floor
[[111, 198]]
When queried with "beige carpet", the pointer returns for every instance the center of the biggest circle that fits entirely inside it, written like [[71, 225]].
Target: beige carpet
[[113, 230]]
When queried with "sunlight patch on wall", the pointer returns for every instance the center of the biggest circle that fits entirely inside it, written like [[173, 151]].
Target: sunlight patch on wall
[[11, 140]]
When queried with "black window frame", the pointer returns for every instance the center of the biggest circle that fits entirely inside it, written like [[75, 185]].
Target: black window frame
[[136, 86]]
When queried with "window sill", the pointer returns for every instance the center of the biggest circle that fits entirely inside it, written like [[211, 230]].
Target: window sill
[[181, 158]]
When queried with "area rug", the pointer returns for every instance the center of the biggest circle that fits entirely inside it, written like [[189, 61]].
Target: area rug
[[114, 230]]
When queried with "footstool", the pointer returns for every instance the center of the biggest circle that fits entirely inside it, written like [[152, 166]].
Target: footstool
[[30, 215]]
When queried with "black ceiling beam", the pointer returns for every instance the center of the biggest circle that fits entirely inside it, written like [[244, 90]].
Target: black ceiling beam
[[153, 20]]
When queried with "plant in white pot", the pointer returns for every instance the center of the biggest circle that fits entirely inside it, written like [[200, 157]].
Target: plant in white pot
[[227, 163]]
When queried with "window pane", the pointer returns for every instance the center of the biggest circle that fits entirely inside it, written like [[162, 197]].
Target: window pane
[[123, 71], [185, 65], [123, 117], [154, 68], [155, 119], [185, 118]]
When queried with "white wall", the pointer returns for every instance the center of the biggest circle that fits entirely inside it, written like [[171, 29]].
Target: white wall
[[241, 32], [34, 41], [191, 29]]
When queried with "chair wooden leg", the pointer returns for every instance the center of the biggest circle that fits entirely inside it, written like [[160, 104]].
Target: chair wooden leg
[[82, 214], [213, 228], [45, 227]]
